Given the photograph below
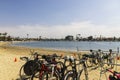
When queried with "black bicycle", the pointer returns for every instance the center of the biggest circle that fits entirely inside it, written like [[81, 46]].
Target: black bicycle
[[109, 58], [75, 74], [30, 67], [50, 68]]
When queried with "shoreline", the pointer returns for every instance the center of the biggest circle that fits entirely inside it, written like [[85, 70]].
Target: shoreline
[[69, 46], [23, 50], [10, 66], [47, 49]]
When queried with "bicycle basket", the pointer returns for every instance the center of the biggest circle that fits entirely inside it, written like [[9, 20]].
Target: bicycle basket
[[30, 67], [105, 57], [91, 56], [85, 55]]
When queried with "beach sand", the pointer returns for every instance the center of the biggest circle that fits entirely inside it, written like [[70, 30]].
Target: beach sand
[[10, 62]]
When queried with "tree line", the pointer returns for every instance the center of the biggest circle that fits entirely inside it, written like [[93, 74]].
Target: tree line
[[5, 37]]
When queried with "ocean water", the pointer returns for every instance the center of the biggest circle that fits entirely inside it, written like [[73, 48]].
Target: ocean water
[[71, 45]]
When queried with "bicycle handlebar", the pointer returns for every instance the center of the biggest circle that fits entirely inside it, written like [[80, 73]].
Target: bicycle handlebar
[[24, 58]]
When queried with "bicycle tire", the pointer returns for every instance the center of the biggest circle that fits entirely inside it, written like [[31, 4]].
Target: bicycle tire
[[101, 62], [80, 76], [36, 76], [47, 76], [22, 75], [70, 75], [89, 62], [111, 62], [60, 66]]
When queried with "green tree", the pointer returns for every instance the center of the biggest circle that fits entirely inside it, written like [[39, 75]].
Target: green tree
[[90, 38]]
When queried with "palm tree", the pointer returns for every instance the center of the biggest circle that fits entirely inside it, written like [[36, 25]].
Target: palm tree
[[27, 36], [78, 37], [4, 36], [0, 36]]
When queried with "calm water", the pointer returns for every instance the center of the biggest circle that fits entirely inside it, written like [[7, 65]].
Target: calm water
[[71, 45]]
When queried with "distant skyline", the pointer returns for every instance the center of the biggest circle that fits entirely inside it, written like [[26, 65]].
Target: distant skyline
[[58, 18]]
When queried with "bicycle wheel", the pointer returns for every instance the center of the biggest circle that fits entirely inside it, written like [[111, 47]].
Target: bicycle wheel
[[49, 76], [45, 76], [101, 62], [82, 74], [22, 75], [70, 75], [35, 76], [59, 66], [111, 62], [89, 62]]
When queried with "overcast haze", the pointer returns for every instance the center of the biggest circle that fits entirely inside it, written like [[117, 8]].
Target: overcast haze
[[58, 18]]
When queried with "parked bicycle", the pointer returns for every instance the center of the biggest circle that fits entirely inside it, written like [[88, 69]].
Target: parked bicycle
[[49, 69], [109, 58], [30, 66], [92, 59], [113, 76], [75, 74]]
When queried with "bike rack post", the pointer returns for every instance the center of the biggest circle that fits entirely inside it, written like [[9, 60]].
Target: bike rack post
[[117, 56]]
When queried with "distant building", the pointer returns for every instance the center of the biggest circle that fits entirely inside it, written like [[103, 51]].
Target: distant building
[[69, 37]]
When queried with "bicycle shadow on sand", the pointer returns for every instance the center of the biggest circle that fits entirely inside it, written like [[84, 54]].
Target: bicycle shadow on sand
[[23, 78]]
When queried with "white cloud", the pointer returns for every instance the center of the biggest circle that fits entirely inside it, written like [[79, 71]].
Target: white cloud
[[111, 5], [85, 28]]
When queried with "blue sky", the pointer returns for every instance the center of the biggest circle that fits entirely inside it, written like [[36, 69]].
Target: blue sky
[[50, 18]]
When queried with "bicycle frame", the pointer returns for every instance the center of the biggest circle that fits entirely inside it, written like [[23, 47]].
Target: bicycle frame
[[76, 74], [49, 66], [43, 69], [84, 68], [62, 72], [114, 74]]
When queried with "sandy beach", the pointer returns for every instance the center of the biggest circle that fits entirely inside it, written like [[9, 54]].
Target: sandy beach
[[9, 68]]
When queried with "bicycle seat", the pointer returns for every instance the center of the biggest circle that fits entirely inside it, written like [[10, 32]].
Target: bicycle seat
[[110, 50]]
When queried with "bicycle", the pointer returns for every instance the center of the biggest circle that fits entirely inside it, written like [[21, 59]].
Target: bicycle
[[48, 70], [92, 58], [65, 67], [74, 74], [29, 67], [115, 75], [51, 66], [109, 58]]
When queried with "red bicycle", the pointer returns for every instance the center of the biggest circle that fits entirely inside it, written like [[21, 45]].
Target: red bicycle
[[48, 70], [115, 75]]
